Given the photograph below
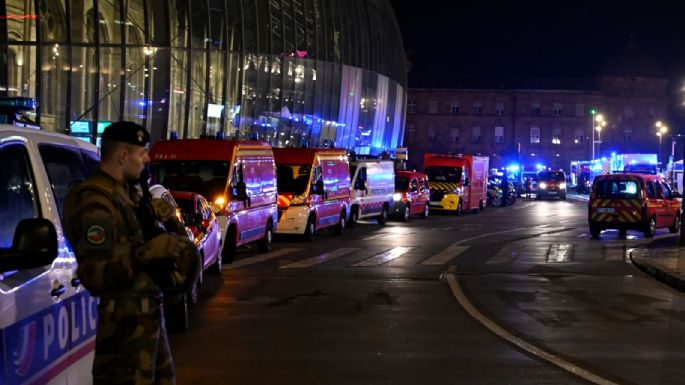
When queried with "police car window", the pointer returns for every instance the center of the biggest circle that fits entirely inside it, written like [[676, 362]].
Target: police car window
[[90, 162], [18, 198], [65, 169]]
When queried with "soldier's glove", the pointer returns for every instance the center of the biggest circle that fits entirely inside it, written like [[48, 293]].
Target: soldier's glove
[[163, 246]]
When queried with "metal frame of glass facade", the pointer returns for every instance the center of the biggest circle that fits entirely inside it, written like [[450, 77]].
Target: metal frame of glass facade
[[290, 72]]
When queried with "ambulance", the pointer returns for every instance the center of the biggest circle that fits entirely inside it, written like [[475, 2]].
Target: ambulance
[[313, 190], [457, 182], [48, 320], [372, 189], [238, 178]]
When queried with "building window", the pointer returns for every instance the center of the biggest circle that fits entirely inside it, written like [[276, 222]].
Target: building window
[[628, 111], [456, 107], [411, 107], [499, 134], [535, 109], [580, 109], [431, 135], [535, 134], [557, 109], [477, 108], [556, 136], [455, 135], [578, 135], [652, 112], [411, 132], [627, 136], [433, 107], [499, 108], [476, 135]]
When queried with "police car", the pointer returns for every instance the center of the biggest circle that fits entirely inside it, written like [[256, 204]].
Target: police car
[[47, 319]]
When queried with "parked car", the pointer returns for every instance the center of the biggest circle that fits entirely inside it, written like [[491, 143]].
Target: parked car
[[412, 195], [204, 227], [494, 193], [372, 186], [640, 202]]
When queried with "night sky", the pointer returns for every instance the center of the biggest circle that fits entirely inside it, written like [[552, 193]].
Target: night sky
[[524, 38]]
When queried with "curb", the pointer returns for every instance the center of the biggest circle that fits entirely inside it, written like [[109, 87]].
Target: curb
[[658, 273]]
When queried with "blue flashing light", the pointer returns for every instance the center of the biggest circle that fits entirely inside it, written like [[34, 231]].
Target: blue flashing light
[[596, 167], [613, 154], [513, 167], [540, 166]]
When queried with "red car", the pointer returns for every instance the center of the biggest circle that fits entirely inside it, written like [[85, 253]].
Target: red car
[[199, 217], [412, 195]]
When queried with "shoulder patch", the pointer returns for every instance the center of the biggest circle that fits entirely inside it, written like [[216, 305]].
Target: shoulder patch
[[96, 235]]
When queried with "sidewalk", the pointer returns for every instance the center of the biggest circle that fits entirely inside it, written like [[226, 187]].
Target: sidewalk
[[664, 261]]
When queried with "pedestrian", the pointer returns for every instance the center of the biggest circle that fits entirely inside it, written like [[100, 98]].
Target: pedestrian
[[504, 185], [118, 265], [527, 185]]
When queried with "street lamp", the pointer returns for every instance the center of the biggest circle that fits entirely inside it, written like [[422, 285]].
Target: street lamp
[[598, 123], [661, 131]]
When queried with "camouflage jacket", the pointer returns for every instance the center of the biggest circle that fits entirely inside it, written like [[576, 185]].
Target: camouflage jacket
[[104, 232]]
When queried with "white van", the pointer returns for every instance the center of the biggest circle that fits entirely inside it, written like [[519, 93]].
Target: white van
[[48, 320], [371, 189]]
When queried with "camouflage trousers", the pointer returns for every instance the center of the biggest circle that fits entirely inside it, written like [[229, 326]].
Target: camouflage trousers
[[131, 344]]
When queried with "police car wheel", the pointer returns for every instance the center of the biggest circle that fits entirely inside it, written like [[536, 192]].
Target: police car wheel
[[264, 244], [426, 211], [354, 217]]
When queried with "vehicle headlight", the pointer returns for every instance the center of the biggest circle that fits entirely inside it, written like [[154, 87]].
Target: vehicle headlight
[[543, 185], [562, 185], [397, 197], [299, 200]]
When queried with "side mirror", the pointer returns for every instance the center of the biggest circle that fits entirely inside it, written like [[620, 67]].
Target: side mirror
[[34, 245], [318, 187], [240, 191]]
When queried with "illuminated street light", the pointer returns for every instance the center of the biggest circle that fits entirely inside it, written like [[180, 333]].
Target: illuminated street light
[[597, 124]]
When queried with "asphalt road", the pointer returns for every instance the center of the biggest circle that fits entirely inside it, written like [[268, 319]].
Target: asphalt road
[[379, 305]]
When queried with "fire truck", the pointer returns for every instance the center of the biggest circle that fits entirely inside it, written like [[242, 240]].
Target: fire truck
[[457, 182]]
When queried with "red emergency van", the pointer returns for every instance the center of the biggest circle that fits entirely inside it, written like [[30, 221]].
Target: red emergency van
[[640, 202], [412, 194], [237, 177], [313, 190], [457, 182]]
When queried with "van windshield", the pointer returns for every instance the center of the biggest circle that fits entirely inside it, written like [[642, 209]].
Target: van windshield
[[615, 188], [551, 175], [208, 178], [292, 178], [444, 174]]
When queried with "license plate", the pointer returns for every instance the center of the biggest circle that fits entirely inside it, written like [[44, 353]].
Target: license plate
[[552, 192], [608, 210]]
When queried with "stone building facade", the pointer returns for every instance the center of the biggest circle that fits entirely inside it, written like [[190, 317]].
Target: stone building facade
[[542, 121]]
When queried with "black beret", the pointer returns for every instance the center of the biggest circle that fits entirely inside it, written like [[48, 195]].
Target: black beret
[[127, 132]]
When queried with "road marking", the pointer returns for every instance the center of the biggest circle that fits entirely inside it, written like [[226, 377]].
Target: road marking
[[489, 234], [452, 251], [260, 258], [560, 253], [388, 234], [453, 283], [321, 258], [384, 257]]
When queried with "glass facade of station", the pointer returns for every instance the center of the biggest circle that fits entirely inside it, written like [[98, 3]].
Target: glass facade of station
[[289, 72]]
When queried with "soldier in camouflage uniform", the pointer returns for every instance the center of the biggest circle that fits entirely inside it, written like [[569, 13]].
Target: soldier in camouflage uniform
[[114, 263]]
